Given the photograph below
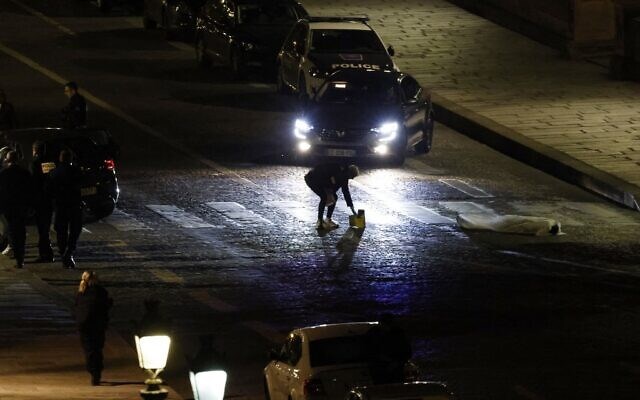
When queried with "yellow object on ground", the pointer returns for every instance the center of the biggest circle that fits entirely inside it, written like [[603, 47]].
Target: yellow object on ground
[[357, 221]]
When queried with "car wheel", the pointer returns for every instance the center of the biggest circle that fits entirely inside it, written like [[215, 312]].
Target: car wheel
[[424, 145], [237, 68], [148, 23], [105, 5], [202, 58]]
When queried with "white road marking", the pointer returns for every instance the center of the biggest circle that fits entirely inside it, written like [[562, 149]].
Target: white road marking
[[124, 222], [166, 275], [85, 230], [296, 209], [237, 212], [179, 216], [181, 46], [122, 249], [466, 188], [43, 17], [466, 207]]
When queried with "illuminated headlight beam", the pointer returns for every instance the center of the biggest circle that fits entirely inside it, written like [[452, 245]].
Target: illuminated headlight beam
[[301, 128], [387, 131]]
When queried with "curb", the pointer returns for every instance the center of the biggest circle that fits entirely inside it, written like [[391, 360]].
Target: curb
[[539, 156]]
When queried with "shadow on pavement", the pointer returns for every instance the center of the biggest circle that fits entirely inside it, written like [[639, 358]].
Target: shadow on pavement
[[132, 39]]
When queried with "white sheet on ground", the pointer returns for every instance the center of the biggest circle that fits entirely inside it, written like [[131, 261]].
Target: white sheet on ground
[[523, 225]]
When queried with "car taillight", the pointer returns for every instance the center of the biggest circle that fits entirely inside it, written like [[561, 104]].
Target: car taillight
[[313, 387], [109, 164]]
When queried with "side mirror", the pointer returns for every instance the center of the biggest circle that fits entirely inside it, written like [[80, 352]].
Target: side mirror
[[391, 51]]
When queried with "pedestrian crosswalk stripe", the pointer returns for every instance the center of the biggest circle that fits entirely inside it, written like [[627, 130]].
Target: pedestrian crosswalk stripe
[[423, 214], [466, 207], [166, 276], [295, 209], [179, 216], [237, 212], [203, 297], [465, 188], [124, 222]]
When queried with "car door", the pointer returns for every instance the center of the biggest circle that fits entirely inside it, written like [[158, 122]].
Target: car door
[[413, 108], [285, 376]]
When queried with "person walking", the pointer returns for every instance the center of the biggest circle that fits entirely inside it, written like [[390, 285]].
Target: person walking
[[15, 197], [7, 113], [325, 180], [74, 114], [42, 202], [92, 317], [64, 185]]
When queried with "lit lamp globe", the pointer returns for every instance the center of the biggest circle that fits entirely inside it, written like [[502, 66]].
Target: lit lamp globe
[[209, 384], [206, 373], [152, 346]]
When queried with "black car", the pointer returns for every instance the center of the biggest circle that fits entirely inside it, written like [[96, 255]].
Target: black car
[[94, 151], [177, 17], [318, 46], [244, 34], [365, 114]]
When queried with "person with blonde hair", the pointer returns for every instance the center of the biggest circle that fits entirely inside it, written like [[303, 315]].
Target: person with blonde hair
[[92, 318]]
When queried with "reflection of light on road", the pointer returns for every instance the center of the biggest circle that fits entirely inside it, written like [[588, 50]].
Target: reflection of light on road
[[385, 179]]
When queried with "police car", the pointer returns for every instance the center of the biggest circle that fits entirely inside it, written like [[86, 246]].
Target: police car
[[318, 46], [365, 114], [94, 151]]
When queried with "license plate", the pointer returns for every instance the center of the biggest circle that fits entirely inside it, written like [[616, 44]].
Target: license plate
[[88, 191], [341, 153]]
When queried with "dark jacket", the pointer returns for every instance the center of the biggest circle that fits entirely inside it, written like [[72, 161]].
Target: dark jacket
[[92, 309], [16, 188], [64, 185], [331, 177], [7, 116], [74, 114]]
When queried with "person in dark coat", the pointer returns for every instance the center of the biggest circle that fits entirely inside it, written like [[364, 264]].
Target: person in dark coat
[[64, 185], [389, 351], [74, 114], [7, 113], [15, 196], [42, 202], [325, 180], [92, 317]]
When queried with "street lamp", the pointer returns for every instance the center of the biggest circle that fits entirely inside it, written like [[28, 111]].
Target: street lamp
[[207, 375], [152, 345]]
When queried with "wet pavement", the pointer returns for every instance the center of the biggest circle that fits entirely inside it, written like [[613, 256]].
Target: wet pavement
[[228, 243]]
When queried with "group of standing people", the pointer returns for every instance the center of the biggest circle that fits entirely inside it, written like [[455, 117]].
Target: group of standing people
[[42, 189], [44, 192]]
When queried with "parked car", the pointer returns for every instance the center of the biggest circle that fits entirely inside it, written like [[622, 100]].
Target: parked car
[[322, 362], [244, 34], [177, 17], [94, 151], [402, 391], [365, 114], [318, 46]]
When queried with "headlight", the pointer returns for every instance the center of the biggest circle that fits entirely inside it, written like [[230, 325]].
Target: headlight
[[247, 46], [301, 128], [387, 131]]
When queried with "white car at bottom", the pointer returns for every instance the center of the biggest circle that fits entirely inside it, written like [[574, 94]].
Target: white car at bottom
[[319, 362]]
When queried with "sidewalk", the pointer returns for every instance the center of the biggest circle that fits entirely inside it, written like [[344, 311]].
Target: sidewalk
[[40, 353], [522, 98]]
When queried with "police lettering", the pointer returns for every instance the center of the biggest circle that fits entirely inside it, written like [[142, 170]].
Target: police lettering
[[356, 66]]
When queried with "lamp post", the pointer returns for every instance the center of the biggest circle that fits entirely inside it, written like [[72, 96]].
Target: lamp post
[[207, 375], [152, 344]]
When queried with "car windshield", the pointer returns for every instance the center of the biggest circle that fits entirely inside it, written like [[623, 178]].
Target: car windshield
[[266, 14], [338, 350], [374, 92], [345, 41]]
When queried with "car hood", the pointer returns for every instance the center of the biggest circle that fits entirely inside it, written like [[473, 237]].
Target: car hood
[[329, 62], [268, 36], [350, 116]]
